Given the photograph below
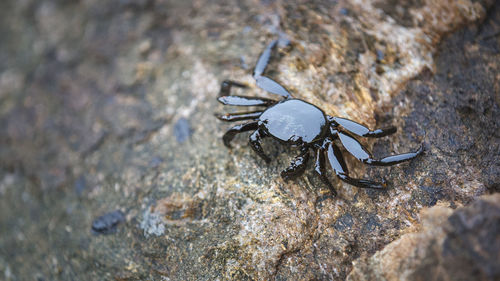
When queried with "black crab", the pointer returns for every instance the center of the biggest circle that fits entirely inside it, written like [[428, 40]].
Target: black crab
[[296, 122]]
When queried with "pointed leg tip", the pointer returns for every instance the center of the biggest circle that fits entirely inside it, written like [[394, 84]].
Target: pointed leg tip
[[330, 187], [383, 184], [378, 186], [421, 149], [333, 191], [285, 177], [221, 98]]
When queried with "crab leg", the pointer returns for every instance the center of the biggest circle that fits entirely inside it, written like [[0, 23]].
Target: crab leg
[[338, 165], [229, 135], [298, 165], [361, 130], [319, 168], [261, 64], [272, 86], [255, 142], [231, 117], [358, 151], [225, 87], [245, 101], [264, 82]]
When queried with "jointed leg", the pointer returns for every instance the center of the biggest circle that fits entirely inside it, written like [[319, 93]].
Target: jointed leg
[[338, 164], [231, 117], [395, 159], [298, 165], [361, 130], [229, 135], [255, 142], [264, 59], [264, 82], [358, 151], [271, 86], [245, 101], [225, 87], [319, 168]]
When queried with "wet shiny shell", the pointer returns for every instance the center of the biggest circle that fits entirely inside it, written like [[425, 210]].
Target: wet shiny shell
[[294, 121]]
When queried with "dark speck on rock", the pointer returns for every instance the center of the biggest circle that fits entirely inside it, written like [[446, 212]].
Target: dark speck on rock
[[343, 222], [182, 130], [428, 195], [80, 185], [107, 223], [244, 65], [155, 162], [380, 55], [371, 224]]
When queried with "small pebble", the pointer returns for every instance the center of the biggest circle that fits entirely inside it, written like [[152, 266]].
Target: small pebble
[[107, 223]]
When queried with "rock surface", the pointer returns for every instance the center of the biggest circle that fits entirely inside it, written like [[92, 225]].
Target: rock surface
[[108, 107], [453, 245]]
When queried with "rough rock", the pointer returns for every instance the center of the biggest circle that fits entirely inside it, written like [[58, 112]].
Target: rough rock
[[460, 244], [91, 92]]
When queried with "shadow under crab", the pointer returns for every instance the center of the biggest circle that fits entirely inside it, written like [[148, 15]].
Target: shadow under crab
[[296, 122]]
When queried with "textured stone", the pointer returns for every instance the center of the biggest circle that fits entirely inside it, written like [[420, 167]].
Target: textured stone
[[90, 93], [457, 244]]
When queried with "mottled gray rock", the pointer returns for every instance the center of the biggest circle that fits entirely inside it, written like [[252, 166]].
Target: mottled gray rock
[[90, 93]]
